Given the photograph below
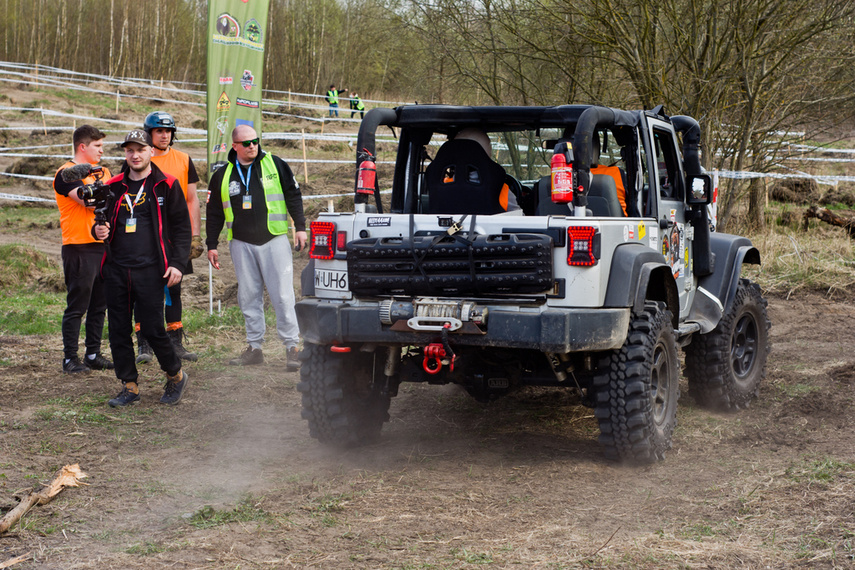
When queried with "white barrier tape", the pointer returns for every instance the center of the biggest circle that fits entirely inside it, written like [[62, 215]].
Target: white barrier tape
[[28, 176], [21, 198], [338, 195], [154, 84], [18, 198], [744, 175]]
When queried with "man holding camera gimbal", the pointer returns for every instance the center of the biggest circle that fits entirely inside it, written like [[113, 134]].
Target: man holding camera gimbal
[[147, 233], [81, 257]]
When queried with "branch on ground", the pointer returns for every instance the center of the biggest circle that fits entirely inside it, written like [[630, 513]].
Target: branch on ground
[[68, 476]]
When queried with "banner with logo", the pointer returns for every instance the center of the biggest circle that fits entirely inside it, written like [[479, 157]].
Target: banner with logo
[[236, 36]]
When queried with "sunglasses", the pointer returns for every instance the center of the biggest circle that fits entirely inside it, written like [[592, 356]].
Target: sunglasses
[[249, 142]]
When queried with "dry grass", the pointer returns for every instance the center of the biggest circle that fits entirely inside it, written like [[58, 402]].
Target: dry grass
[[819, 258]]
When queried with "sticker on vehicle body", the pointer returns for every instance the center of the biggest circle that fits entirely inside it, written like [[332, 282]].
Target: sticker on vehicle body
[[628, 233], [379, 221]]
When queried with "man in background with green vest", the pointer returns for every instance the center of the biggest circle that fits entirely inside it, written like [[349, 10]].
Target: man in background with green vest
[[252, 195], [332, 99]]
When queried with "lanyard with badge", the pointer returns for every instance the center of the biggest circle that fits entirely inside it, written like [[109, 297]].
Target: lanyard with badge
[[247, 198], [131, 222]]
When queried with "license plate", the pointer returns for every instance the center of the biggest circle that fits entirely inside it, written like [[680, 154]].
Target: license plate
[[331, 279]]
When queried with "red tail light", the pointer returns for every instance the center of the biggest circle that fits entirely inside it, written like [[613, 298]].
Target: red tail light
[[323, 240], [583, 246]]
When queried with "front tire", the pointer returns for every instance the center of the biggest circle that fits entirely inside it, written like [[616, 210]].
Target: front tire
[[726, 366], [637, 388], [341, 402]]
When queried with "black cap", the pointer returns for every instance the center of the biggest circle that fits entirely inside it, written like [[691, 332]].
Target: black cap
[[138, 136]]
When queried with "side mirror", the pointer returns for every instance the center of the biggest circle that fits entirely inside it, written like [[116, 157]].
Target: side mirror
[[700, 190]]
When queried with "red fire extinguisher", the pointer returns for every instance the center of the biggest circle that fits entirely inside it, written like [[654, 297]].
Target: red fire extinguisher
[[562, 173], [366, 176]]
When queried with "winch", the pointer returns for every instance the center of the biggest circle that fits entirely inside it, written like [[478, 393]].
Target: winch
[[432, 313]]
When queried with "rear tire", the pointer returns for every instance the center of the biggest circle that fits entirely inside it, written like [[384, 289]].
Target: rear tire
[[637, 388], [726, 366], [341, 402]]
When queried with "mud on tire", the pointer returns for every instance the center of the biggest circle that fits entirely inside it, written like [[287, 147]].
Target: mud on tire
[[725, 366], [637, 387], [342, 404]]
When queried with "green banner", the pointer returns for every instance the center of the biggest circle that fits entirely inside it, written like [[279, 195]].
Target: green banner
[[236, 36]]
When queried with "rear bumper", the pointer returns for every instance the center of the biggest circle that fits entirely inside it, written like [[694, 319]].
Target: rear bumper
[[544, 329]]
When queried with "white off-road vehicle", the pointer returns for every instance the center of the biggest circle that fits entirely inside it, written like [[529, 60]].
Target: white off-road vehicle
[[454, 284]]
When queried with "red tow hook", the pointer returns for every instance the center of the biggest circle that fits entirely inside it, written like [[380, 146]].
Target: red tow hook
[[435, 352]]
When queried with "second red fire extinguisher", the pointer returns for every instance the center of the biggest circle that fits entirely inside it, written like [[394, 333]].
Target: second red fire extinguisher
[[366, 177], [562, 173]]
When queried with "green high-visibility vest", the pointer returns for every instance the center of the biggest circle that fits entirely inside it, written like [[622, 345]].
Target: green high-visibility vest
[[333, 97], [277, 211]]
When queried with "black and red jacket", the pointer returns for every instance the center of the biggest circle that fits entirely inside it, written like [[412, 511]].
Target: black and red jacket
[[169, 212]]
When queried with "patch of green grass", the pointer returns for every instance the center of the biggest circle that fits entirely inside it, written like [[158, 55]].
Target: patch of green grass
[[146, 548], [28, 313], [697, 531], [821, 470], [27, 216], [248, 509], [87, 410], [798, 390], [465, 555]]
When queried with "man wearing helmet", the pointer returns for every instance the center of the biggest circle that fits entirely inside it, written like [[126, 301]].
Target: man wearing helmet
[[160, 126]]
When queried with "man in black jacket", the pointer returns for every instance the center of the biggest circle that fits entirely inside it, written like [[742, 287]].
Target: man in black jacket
[[253, 194], [148, 245]]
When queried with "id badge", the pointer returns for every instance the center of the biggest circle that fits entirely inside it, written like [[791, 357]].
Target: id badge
[[131, 225], [247, 202]]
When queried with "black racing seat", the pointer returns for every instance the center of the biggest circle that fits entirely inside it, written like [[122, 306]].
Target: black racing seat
[[463, 179], [603, 188]]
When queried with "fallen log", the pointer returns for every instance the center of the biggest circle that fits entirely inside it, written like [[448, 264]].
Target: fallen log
[[830, 217], [68, 476]]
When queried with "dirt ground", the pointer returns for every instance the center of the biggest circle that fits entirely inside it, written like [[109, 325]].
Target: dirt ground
[[231, 479]]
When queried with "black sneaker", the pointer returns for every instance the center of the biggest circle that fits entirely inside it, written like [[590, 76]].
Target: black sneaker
[[125, 398], [98, 363], [173, 390], [293, 358], [249, 357], [74, 366]]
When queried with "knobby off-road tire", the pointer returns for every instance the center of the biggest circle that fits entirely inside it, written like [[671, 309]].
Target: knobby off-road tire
[[726, 366], [637, 387], [341, 403]]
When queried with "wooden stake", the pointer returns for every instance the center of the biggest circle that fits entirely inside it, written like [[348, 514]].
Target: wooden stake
[[330, 206], [44, 125], [323, 123], [305, 163]]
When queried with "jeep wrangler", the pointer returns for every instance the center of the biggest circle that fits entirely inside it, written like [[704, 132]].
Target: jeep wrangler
[[477, 276]]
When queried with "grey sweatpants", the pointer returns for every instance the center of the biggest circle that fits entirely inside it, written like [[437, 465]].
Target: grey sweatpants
[[259, 266]]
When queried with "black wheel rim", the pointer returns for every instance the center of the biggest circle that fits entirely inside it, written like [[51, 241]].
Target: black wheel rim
[[743, 346], [660, 383]]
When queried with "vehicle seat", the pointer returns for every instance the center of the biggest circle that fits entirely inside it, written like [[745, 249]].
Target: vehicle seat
[[545, 205], [603, 197], [463, 179], [598, 204]]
